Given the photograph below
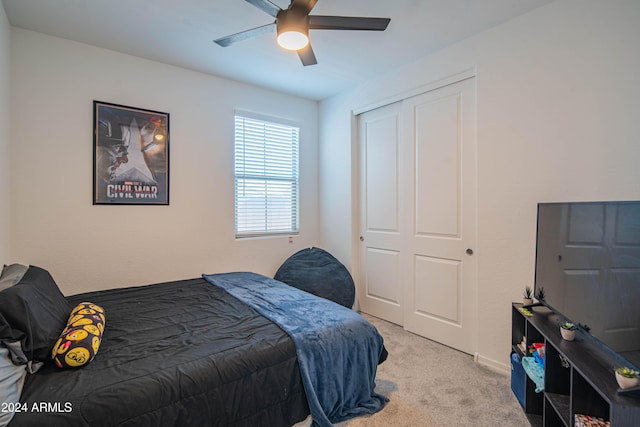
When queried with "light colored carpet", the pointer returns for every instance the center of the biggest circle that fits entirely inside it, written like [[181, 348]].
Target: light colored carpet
[[431, 385]]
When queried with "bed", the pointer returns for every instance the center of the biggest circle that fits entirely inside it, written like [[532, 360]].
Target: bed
[[216, 350]]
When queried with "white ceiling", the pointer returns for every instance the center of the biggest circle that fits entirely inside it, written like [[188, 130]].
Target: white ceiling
[[181, 32]]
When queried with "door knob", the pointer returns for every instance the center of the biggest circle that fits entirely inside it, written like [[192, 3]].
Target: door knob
[[361, 239], [469, 251]]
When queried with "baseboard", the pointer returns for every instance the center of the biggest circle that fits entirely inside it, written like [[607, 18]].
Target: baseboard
[[492, 364]]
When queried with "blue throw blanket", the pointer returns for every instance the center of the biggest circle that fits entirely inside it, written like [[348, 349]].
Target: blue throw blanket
[[338, 350]]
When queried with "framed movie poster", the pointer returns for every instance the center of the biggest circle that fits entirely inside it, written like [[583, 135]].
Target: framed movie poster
[[130, 155]]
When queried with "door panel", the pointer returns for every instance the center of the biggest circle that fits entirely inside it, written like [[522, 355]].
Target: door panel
[[437, 152], [383, 268], [440, 299], [381, 168]]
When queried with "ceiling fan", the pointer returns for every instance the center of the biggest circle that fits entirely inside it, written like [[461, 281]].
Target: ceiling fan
[[293, 24]]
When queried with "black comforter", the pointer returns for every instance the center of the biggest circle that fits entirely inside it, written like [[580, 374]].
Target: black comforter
[[179, 353]]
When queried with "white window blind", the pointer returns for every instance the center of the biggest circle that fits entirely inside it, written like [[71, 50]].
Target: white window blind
[[266, 177]]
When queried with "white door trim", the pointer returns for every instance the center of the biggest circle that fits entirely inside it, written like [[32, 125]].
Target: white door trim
[[436, 84]]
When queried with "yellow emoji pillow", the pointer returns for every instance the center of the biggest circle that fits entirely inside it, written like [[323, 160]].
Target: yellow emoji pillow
[[79, 341]]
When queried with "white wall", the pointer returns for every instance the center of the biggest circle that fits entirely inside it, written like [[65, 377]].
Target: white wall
[[54, 224], [5, 148], [558, 101]]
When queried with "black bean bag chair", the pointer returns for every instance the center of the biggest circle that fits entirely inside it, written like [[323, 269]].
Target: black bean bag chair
[[316, 271]]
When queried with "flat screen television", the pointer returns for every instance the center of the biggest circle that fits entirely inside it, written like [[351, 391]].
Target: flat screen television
[[588, 263]]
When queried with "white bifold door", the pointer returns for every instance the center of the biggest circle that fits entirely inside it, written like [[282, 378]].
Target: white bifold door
[[418, 194]]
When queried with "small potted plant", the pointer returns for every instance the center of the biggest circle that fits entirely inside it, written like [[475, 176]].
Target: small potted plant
[[527, 296], [626, 377], [540, 294], [568, 331]]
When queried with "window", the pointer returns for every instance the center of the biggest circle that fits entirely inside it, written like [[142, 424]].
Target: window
[[266, 177]]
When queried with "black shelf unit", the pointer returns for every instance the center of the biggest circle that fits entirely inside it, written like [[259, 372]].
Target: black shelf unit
[[578, 375]]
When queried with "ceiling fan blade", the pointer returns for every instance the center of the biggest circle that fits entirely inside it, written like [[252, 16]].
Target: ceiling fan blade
[[266, 6], [303, 6], [244, 35], [319, 22], [307, 56]]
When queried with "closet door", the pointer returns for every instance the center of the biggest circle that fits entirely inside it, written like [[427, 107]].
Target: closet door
[[381, 195], [418, 214], [440, 264]]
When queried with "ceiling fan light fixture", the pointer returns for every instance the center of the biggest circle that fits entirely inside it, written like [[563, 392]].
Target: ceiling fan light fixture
[[293, 30], [292, 40]]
